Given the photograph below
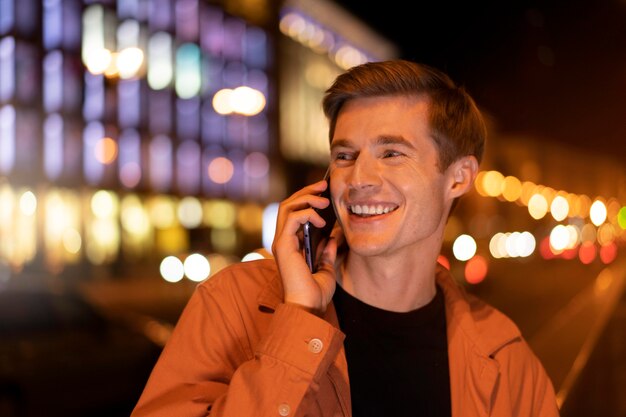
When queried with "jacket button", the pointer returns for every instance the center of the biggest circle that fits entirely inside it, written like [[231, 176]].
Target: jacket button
[[315, 345], [284, 410]]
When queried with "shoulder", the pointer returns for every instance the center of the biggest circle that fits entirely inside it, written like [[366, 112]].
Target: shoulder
[[486, 326], [244, 280], [251, 272]]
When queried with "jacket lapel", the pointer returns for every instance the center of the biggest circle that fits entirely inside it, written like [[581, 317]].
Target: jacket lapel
[[473, 373]]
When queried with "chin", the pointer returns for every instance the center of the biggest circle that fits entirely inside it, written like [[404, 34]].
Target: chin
[[367, 247]]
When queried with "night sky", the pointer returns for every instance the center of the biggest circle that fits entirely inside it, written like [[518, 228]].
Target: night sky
[[554, 70]]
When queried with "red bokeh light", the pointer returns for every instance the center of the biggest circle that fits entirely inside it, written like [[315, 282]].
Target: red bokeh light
[[476, 269]]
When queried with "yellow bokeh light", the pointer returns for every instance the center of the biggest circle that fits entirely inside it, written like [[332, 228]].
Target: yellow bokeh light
[[250, 218], [528, 190], [72, 241], [606, 234], [28, 203], [221, 101], [189, 212], [129, 62], [597, 213], [219, 214], [492, 183], [588, 233], [511, 188], [104, 204], [537, 206], [98, 61], [559, 208], [559, 237]]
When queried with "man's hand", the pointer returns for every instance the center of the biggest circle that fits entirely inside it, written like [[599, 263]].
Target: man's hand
[[310, 291]]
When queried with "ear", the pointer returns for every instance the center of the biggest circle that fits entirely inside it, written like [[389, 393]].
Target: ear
[[462, 173]]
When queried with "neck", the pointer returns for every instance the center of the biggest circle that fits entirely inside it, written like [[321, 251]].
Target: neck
[[401, 283]]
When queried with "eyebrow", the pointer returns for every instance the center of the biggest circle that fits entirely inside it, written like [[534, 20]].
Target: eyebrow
[[381, 140]]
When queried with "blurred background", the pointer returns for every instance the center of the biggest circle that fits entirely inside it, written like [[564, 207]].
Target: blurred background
[[145, 145]]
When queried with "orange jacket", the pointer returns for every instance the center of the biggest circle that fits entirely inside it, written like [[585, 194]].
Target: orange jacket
[[238, 351]]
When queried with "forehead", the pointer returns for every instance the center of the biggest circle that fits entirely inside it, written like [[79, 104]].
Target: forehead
[[386, 116]]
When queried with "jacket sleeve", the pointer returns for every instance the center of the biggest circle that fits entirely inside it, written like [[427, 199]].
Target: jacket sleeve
[[213, 365], [530, 389]]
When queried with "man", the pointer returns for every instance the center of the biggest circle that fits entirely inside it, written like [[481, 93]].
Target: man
[[380, 329]]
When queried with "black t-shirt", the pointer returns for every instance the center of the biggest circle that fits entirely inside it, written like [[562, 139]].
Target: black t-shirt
[[397, 362]]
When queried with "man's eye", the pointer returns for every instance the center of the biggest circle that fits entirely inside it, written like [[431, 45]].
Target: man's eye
[[343, 156], [391, 154]]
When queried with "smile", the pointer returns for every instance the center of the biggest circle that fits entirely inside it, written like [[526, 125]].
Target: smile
[[366, 210]]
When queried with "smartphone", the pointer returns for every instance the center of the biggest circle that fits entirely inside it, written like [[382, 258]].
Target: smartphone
[[313, 236]]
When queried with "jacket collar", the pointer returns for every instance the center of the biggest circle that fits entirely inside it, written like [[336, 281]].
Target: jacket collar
[[476, 332], [487, 328]]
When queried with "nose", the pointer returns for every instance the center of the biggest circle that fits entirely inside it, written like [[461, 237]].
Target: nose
[[364, 174]]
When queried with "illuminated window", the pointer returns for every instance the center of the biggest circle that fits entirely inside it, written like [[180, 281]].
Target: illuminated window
[[211, 185], [92, 168], [213, 125], [188, 167], [129, 9], [188, 118], [7, 139], [160, 111], [53, 146], [129, 102], [212, 36], [235, 186], [28, 139], [93, 107], [187, 20], [6, 16], [160, 66], [53, 81], [27, 73], [161, 163], [25, 10], [160, 14], [234, 31], [130, 158], [188, 72], [258, 133], [52, 23], [7, 69], [236, 132], [255, 48]]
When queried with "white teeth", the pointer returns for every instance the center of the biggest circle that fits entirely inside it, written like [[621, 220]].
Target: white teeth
[[361, 209]]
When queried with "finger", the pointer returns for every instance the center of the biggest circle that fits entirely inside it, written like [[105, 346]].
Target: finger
[[301, 206]]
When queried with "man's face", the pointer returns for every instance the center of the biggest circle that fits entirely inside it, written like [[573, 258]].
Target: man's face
[[388, 190]]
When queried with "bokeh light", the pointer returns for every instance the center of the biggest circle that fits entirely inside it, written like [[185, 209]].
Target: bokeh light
[[608, 253], [597, 213], [464, 247], [476, 269], [221, 170], [172, 269], [559, 208], [587, 252], [537, 206], [197, 267]]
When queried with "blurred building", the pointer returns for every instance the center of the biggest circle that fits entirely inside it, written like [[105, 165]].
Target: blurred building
[[136, 130], [132, 130]]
